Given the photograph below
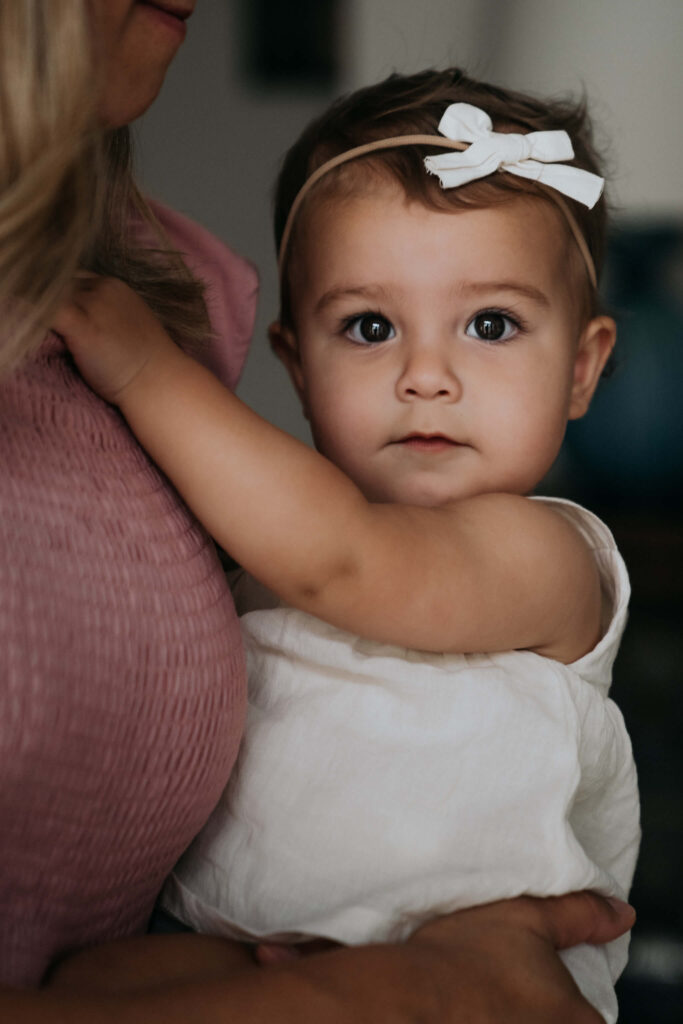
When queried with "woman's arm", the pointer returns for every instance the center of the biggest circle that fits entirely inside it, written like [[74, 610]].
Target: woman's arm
[[480, 966], [480, 574], [129, 966]]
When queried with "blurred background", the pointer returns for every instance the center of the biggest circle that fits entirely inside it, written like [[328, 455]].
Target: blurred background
[[252, 73]]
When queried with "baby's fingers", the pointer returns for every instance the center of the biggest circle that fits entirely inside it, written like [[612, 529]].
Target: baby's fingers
[[73, 314], [111, 333], [70, 320]]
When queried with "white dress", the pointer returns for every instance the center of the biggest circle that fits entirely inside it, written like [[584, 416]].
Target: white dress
[[378, 786]]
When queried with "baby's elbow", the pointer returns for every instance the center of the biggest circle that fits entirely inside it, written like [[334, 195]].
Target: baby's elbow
[[328, 590]]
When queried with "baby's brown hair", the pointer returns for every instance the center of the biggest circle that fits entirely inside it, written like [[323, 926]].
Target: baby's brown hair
[[414, 104]]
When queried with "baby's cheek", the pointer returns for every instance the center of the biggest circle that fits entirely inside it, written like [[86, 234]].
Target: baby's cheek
[[535, 450]]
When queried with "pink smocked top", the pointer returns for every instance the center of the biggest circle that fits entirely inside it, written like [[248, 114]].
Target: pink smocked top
[[122, 687]]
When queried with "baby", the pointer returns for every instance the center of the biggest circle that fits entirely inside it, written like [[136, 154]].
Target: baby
[[429, 648]]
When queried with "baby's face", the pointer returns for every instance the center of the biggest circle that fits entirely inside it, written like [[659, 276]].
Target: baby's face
[[439, 355]]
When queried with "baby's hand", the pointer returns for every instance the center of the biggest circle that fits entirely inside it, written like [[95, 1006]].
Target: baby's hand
[[111, 332]]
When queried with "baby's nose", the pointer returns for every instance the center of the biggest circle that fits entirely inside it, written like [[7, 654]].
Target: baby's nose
[[428, 374]]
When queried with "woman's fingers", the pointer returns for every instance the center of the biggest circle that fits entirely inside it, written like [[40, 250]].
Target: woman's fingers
[[561, 921], [504, 956], [581, 917]]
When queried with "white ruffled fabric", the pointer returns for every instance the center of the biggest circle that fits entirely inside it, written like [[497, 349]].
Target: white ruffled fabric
[[379, 786], [532, 155]]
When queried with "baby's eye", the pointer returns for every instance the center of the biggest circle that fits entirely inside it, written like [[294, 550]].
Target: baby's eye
[[492, 325], [369, 328]]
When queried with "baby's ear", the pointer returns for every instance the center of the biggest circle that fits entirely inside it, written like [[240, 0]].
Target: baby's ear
[[285, 346], [595, 345]]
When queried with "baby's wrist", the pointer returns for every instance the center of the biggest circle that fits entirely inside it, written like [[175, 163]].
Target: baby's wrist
[[162, 365]]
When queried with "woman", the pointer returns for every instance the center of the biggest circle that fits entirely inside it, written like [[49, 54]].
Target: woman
[[123, 689]]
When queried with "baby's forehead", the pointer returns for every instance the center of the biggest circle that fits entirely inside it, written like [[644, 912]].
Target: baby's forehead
[[364, 180], [335, 217], [537, 219]]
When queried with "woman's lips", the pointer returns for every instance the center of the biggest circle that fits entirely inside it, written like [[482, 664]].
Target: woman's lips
[[173, 17]]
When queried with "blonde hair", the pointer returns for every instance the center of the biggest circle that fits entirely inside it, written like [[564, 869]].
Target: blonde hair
[[67, 194]]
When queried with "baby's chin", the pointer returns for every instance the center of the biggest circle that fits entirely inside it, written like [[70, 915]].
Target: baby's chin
[[426, 494], [437, 492]]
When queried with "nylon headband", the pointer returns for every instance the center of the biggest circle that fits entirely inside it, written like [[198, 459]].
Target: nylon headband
[[421, 140]]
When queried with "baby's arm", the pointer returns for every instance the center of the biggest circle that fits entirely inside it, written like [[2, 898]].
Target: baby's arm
[[480, 574]]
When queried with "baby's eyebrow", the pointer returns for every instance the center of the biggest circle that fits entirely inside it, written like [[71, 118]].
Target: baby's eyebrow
[[528, 290], [366, 293], [378, 293]]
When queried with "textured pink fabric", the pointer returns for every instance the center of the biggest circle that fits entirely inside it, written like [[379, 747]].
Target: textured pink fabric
[[231, 287], [122, 690]]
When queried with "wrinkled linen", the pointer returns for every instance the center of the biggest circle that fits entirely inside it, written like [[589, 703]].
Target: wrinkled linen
[[377, 786]]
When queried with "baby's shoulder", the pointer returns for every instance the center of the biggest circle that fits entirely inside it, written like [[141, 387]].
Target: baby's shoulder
[[539, 527]]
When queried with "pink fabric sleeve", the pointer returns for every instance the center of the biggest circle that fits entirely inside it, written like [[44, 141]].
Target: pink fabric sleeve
[[231, 291]]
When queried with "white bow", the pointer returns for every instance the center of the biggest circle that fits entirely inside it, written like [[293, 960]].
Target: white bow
[[531, 156]]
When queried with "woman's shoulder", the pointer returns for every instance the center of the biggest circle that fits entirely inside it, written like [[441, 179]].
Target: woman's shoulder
[[231, 289]]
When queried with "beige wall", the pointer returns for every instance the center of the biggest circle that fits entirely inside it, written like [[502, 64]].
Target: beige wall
[[627, 54], [211, 147]]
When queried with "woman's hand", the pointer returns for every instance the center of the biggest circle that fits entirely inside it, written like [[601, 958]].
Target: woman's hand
[[504, 956], [482, 966], [112, 334], [488, 964]]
